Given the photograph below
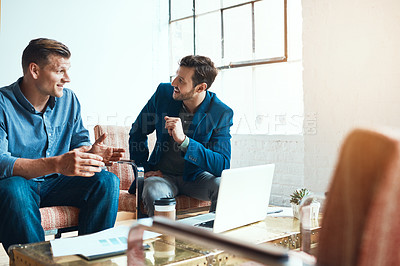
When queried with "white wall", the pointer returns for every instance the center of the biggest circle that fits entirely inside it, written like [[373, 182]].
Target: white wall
[[351, 59], [119, 50], [286, 152]]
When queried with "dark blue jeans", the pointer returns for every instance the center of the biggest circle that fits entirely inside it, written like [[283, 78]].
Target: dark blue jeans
[[20, 200]]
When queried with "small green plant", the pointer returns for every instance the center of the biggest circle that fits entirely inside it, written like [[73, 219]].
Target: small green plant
[[298, 195]]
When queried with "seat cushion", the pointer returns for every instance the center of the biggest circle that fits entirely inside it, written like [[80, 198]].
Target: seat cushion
[[185, 202], [127, 201], [59, 217]]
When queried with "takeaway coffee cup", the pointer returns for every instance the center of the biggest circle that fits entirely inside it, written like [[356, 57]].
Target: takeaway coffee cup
[[165, 207], [164, 248]]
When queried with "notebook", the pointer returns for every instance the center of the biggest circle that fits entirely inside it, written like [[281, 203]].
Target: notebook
[[243, 198]]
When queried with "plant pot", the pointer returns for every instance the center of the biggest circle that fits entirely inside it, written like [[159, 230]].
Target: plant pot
[[314, 210]]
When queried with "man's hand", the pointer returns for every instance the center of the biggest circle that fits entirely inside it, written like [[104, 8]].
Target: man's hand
[[153, 173], [109, 154], [79, 162], [174, 127]]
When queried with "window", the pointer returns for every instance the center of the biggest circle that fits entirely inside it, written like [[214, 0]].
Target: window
[[250, 42]]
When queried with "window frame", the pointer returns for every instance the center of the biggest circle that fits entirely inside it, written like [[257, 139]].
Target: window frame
[[245, 63]]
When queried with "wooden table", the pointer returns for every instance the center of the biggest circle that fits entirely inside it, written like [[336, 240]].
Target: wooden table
[[280, 231]]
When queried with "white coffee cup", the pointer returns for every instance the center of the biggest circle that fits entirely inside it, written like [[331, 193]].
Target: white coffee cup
[[165, 207]]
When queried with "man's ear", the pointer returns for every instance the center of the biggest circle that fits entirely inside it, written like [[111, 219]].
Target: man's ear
[[201, 87], [33, 70]]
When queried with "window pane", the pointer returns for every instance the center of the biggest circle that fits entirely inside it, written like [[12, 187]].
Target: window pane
[[228, 3], [181, 9], [237, 95], [181, 38], [279, 99], [203, 6], [269, 28], [237, 34], [208, 36]]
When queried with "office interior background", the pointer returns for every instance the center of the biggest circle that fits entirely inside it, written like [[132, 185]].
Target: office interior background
[[341, 68]]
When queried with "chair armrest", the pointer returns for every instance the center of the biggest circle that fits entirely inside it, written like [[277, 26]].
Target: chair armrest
[[138, 183], [139, 191]]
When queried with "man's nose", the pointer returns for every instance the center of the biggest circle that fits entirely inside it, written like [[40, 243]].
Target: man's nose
[[173, 83], [66, 77]]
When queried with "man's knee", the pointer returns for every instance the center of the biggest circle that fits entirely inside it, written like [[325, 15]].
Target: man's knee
[[107, 180], [153, 189], [14, 188], [15, 191]]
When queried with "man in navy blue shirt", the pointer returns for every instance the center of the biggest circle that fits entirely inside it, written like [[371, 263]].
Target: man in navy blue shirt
[[46, 158], [193, 136]]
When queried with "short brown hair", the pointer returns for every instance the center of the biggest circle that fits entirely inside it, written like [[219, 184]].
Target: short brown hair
[[204, 69], [38, 51]]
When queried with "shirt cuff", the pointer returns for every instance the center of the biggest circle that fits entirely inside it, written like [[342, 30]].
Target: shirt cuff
[[7, 165], [184, 144]]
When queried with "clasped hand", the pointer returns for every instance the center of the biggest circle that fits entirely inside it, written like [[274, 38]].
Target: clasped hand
[[175, 129], [88, 160]]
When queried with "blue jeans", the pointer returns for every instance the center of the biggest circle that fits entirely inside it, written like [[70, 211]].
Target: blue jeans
[[204, 187], [20, 200]]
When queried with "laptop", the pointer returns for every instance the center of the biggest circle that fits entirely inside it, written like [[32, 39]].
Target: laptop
[[243, 198]]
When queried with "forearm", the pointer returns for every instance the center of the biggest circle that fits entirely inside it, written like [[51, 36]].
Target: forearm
[[77, 162], [32, 168]]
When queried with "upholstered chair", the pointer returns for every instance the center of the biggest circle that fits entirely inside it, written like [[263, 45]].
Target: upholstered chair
[[361, 221]]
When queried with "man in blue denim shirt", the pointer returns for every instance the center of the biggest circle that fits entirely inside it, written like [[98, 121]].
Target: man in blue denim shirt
[[46, 158]]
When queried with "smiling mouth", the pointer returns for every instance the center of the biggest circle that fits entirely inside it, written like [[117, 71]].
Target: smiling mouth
[[176, 90]]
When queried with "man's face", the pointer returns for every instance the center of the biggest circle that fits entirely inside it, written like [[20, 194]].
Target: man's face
[[183, 84], [53, 76]]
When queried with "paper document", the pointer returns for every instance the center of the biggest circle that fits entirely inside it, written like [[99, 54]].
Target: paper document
[[108, 241], [279, 211]]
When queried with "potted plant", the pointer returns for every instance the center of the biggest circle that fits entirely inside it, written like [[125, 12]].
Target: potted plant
[[311, 203], [295, 199]]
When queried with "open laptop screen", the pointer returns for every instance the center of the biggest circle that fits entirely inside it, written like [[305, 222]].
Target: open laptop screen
[[243, 198]]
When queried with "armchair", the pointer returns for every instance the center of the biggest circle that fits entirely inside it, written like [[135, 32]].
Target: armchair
[[361, 221], [118, 136]]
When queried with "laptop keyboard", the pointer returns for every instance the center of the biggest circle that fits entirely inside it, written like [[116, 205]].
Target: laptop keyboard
[[208, 224]]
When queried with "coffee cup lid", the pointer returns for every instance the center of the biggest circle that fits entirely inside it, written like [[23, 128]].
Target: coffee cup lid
[[165, 201]]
